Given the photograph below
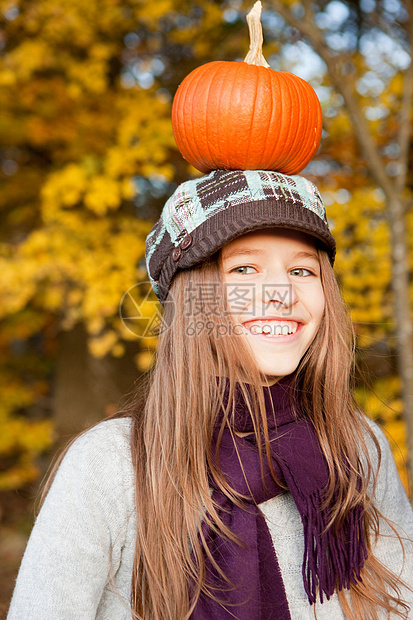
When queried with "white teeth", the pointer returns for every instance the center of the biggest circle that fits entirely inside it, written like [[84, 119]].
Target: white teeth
[[274, 329], [256, 329]]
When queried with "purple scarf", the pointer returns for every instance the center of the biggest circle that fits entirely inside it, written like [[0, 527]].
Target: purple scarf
[[331, 560]]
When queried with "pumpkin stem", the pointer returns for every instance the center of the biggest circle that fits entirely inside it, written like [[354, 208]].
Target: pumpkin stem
[[255, 56]]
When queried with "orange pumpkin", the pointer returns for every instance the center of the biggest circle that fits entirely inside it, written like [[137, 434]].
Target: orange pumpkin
[[245, 115]]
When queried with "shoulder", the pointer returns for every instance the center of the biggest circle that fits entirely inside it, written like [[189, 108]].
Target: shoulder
[[97, 467], [390, 495], [103, 442], [379, 451], [377, 444], [379, 434], [104, 447], [382, 459]]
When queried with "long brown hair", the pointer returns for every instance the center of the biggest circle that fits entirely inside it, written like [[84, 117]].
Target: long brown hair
[[172, 420], [170, 442]]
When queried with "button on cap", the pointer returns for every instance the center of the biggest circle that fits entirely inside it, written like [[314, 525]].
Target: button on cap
[[186, 242], [176, 254]]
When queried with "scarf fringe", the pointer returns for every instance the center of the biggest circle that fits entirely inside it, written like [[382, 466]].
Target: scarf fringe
[[331, 559]]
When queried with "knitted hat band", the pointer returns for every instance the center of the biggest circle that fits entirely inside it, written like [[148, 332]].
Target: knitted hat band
[[205, 214]]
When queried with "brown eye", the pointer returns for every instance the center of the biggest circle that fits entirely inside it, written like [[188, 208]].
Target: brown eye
[[242, 269], [300, 271]]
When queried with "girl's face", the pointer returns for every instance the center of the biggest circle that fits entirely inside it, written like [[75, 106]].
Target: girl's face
[[273, 286]]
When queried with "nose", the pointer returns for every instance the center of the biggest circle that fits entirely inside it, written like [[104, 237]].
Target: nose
[[278, 292]]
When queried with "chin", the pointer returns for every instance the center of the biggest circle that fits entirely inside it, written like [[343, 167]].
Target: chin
[[282, 370]]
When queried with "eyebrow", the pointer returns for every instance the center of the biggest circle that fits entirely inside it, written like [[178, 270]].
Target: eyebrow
[[257, 251]]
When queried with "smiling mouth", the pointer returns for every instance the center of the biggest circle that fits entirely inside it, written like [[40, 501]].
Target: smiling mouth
[[272, 328]]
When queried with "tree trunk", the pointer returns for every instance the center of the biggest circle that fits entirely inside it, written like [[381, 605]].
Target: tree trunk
[[401, 292], [86, 388]]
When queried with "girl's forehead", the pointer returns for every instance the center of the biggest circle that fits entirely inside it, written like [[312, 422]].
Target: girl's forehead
[[274, 237]]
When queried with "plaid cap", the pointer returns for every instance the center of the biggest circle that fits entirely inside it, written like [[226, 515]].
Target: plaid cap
[[204, 214]]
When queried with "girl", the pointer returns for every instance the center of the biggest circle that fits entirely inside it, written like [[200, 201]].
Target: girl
[[242, 482]]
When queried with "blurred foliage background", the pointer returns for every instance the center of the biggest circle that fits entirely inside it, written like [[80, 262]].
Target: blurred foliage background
[[87, 159]]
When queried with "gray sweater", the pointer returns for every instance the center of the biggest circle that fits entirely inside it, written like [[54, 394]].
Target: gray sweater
[[78, 562]]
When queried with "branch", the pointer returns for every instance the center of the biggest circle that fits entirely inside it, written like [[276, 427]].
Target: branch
[[375, 19]]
